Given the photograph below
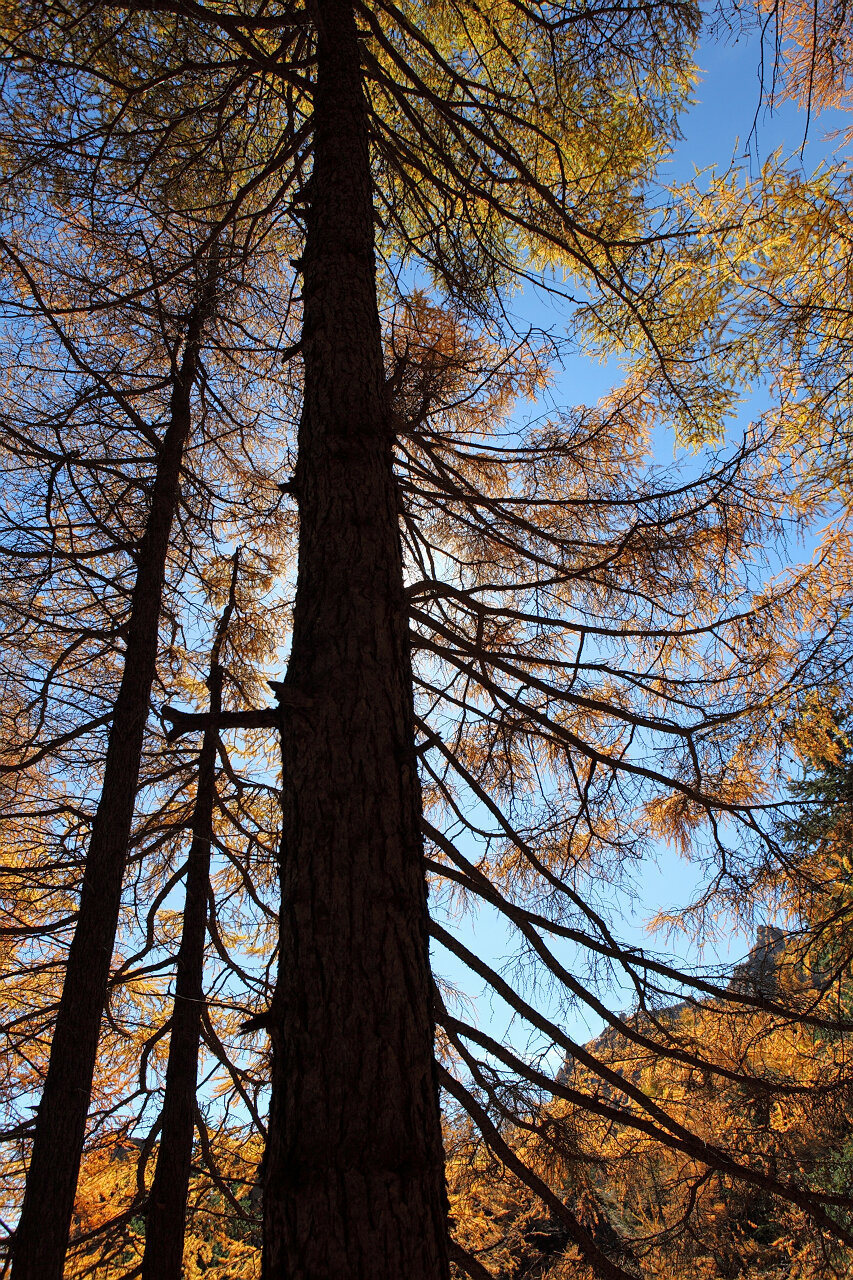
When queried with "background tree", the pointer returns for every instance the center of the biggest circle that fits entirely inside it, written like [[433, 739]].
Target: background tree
[[83, 317]]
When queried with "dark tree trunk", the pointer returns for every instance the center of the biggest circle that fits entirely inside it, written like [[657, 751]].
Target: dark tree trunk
[[165, 1222], [41, 1239], [354, 1183]]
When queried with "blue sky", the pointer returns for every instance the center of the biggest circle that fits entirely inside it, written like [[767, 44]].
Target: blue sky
[[727, 125]]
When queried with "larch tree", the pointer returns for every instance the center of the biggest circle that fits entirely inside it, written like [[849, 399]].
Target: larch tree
[[58, 1135], [340, 1028], [120, 339], [167, 1209], [598, 656], [401, 1158]]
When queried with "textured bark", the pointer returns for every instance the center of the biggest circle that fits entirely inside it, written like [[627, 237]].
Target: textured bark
[[165, 1221], [41, 1239], [354, 1182]]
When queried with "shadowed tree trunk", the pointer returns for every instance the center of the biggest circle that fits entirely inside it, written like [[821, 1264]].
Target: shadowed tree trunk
[[41, 1238], [354, 1168], [165, 1222]]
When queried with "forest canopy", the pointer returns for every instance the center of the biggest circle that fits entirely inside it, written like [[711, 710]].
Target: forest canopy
[[341, 637]]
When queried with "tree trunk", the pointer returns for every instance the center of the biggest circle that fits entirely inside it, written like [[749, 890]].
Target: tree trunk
[[354, 1185], [41, 1238], [165, 1222]]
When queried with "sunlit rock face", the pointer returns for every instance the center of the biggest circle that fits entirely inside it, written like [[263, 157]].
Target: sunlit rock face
[[774, 969], [759, 974]]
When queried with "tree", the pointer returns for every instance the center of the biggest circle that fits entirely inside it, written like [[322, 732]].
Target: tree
[[699, 788], [812, 62], [560, 647], [814, 881], [59, 1130], [167, 1209], [128, 377]]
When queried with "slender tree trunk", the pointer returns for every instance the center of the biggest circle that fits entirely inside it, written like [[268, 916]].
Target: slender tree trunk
[[41, 1238], [165, 1222], [354, 1168]]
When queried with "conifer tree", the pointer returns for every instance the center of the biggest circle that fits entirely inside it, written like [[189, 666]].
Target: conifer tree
[[134, 365], [58, 1136], [597, 655], [167, 1209]]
